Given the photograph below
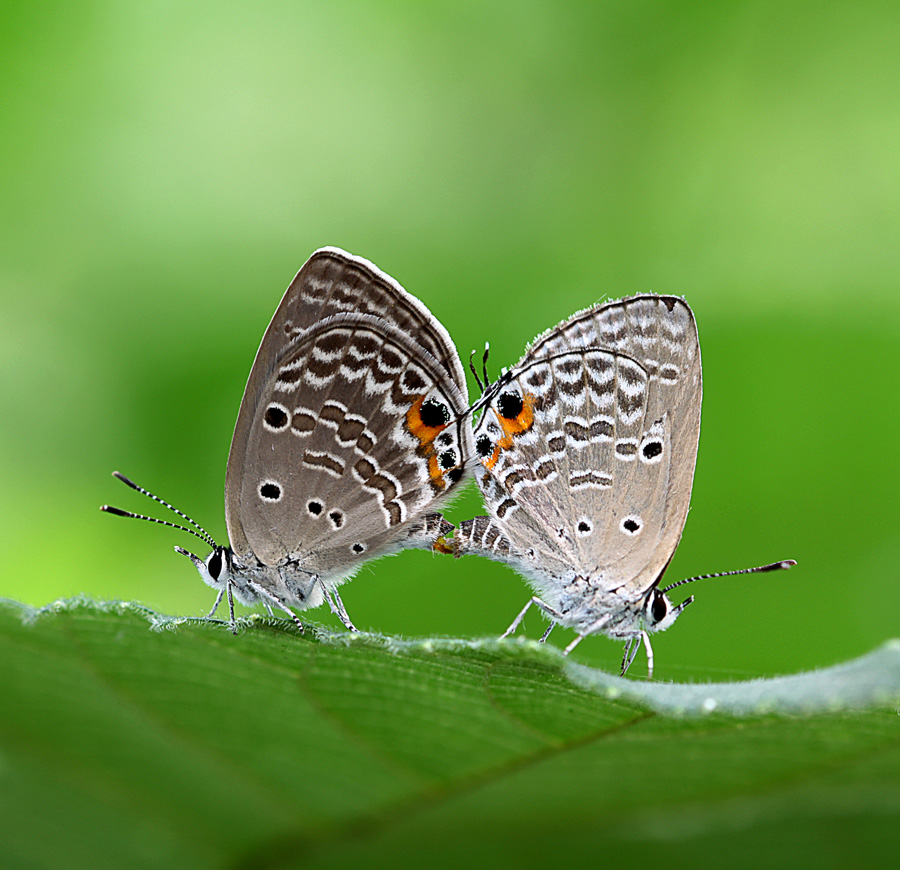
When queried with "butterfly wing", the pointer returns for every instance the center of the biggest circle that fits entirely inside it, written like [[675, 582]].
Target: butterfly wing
[[333, 282], [588, 447], [349, 432]]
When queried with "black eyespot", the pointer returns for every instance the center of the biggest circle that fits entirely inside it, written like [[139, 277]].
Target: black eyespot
[[214, 565], [583, 527], [314, 507], [455, 475], [434, 413], [337, 518], [358, 548], [445, 439], [631, 525], [484, 446], [447, 459], [509, 405], [270, 491], [275, 417], [651, 449], [659, 608]]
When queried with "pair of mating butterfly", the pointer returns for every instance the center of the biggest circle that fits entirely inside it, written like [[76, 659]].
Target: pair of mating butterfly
[[355, 424]]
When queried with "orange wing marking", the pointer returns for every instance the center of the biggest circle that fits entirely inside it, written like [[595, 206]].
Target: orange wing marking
[[512, 426], [425, 435]]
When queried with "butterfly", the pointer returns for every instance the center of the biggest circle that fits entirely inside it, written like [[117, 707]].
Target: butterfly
[[587, 448], [351, 431]]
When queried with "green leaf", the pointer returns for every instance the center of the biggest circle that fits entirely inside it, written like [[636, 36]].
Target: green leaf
[[188, 747]]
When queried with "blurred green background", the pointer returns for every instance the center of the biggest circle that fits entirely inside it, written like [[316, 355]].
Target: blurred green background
[[167, 167]]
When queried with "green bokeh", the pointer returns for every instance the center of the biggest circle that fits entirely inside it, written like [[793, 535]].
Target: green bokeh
[[167, 167]]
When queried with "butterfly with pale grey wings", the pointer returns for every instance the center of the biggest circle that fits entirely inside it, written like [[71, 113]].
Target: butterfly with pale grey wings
[[587, 449], [351, 431]]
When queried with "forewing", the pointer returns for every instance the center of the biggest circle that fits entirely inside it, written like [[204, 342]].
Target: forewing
[[333, 282]]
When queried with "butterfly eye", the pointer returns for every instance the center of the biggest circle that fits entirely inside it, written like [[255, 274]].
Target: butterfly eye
[[214, 564], [659, 609]]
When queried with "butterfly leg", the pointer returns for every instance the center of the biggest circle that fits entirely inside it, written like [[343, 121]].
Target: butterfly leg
[[574, 643], [215, 606], [593, 627], [337, 606], [553, 614], [342, 615], [631, 646], [646, 639], [518, 620], [267, 596], [231, 606]]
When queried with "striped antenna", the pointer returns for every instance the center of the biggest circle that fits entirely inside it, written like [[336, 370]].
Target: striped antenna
[[198, 531], [774, 566]]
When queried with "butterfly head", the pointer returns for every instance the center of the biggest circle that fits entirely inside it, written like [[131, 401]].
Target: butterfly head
[[216, 569], [659, 612]]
